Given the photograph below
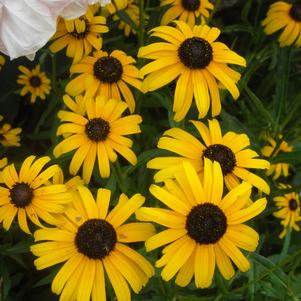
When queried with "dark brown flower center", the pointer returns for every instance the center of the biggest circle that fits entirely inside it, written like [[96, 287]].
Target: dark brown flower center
[[190, 5], [83, 34], [195, 53], [108, 69], [206, 223], [35, 81], [223, 155], [21, 195], [293, 204], [97, 129], [295, 12], [95, 238]]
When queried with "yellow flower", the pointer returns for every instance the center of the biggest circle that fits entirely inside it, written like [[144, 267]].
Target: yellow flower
[[289, 210], [197, 60], [287, 16], [2, 61], [230, 150], [277, 168], [99, 135], [107, 75], [9, 136], [26, 194], [80, 35], [130, 7], [186, 10], [92, 243], [35, 82], [204, 228]]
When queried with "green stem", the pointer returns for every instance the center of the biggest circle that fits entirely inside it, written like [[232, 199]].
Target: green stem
[[286, 244], [284, 58], [53, 72], [141, 25], [119, 176]]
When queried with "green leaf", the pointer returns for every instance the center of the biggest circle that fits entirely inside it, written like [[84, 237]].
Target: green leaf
[[254, 100], [291, 157], [126, 18], [278, 277]]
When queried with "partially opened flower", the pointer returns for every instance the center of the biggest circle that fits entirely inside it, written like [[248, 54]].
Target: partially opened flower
[[286, 16], [97, 135], [205, 229], [274, 149], [80, 36], [186, 10], [289, 210], [2, 61], [130, 7], [27, 195], [76, 105], [197, 61], [106, 74], [9, 136], [231, 150], [92, 244], [35, 82]]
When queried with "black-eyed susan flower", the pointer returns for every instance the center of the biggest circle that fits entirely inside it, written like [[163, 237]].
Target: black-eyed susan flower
[[277, 169], [286, 16], [130, 7], [80, 35], [231, 150], [9, 136], [197, 61], [2, 61], [107, 75], [27, 195], [92, 243], [289, 210], [186, 10], [99, 135], [35, 82], [205, 229]]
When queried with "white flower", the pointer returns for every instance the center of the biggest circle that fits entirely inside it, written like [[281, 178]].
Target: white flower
[[27, 25]]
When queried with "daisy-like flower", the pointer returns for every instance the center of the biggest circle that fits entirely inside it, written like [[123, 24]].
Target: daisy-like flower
[[2, 61], [81, 35], [186, 10], [26, 194], [277, 169], [9, 136], [35, 82], [197, 60], [204, 228], [289, 210], [99, 135], [92, 243], [230, 150], [107, 75], [286, 16]]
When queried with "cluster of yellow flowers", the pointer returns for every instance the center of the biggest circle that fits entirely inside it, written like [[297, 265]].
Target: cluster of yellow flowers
[[205, 184]]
